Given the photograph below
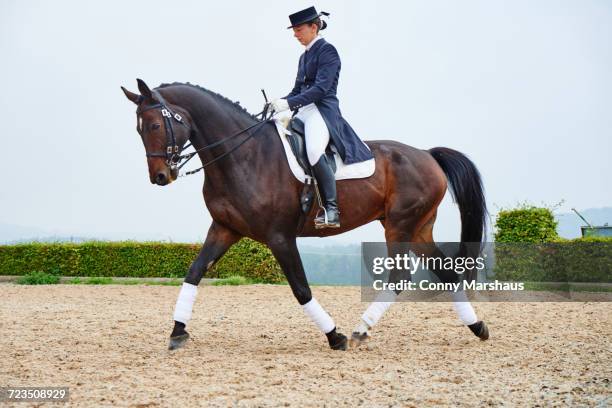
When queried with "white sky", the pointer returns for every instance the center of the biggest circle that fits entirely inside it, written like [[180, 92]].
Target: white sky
[[522, 87]]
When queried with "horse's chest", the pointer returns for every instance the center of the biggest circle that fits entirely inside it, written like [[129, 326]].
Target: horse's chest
[[223, 210]]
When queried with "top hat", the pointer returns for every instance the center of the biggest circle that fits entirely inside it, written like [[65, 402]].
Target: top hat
[[304, 16]]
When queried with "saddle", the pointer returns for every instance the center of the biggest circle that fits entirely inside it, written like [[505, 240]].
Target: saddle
[[298, 146]]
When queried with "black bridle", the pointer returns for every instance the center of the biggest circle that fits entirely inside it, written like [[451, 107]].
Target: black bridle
[[172, 149], [176, 161]]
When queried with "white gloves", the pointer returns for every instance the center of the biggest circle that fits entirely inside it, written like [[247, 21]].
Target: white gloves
[[280, 105]]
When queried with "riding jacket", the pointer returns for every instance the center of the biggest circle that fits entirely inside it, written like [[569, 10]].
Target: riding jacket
[[317, 82]]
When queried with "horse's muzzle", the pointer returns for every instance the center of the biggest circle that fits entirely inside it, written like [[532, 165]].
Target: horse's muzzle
[[165, 177], [161, 179]]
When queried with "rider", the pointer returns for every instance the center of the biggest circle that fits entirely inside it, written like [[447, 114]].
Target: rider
[[314, 98]]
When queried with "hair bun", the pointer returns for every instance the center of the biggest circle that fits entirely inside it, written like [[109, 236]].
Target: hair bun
[[323, 24]]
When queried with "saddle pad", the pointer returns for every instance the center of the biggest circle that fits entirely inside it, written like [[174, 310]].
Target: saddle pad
[[343, 171]]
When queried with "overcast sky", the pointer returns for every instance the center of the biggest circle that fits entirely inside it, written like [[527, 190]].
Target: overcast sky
[[522, 87]]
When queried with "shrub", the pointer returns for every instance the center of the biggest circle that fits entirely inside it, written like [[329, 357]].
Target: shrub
[[38, 278], [526, 224]]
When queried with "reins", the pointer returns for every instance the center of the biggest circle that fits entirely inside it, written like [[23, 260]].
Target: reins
[[265, 114]]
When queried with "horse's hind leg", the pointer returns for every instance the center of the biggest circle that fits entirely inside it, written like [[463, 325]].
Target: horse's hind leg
[[425, 245], [398, 243]]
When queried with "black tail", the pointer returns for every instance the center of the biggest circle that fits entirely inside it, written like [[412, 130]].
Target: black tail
[[466, 187]]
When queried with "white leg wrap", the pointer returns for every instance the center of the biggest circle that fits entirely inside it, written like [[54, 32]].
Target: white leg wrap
[[362, 327], [184, 303], [319, 316], [376, 309], [464, 308]]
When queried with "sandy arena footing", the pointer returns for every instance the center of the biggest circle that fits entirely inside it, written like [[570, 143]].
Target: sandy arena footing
[[252, 346]]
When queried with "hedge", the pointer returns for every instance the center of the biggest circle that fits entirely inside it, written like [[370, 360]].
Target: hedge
[[578, 260], [528, 248], [246, 258]]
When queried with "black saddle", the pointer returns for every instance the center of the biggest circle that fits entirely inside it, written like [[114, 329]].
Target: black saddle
[[298, 146]]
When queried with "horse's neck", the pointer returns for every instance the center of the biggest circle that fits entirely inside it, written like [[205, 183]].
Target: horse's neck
[[243, 168], [239, 168], [215, 129], [213, 122]]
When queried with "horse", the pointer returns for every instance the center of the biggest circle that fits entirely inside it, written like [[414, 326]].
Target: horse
[[250, 191]]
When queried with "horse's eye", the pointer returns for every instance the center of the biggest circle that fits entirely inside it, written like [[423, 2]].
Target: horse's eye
[[155, 126]]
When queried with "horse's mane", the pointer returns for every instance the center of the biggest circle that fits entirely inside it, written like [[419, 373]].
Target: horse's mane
[[234, 105]]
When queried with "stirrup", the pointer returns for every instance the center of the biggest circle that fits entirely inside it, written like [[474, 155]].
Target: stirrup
[[325, 224]]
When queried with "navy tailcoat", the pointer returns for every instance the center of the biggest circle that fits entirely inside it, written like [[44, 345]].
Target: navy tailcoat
[[317, 82]]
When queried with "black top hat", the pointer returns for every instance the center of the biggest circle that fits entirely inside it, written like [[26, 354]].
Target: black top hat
[[305, 16]]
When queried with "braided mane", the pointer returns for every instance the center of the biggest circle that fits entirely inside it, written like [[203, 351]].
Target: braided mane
[[235, 105]]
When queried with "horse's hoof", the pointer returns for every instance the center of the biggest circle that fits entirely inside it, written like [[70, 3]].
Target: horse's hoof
[[177, 342], [358, 339], [337, 341], [480, 330]]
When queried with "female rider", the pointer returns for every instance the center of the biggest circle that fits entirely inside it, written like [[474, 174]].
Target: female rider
[[314, 98]]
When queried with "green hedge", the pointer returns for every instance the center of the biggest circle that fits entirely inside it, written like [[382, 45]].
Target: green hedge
[[526, 224], [250, 259], [577, 260], [136, 259], [528, 249]]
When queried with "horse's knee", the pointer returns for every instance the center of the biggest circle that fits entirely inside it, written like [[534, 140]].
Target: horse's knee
[[196, 271], [303, 295], [277, 243]]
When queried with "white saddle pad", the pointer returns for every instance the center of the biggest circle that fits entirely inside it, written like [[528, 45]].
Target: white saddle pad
[[343, 171]]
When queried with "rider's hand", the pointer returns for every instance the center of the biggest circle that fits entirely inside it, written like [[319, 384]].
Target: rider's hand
[[280, 105]]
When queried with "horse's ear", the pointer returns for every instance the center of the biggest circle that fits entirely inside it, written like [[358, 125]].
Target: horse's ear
[[144, 89], [132, 96]]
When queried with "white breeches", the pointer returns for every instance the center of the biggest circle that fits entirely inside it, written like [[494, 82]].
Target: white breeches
[[317, 134]]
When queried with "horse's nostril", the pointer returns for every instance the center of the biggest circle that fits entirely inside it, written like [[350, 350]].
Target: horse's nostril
[[161, 178]]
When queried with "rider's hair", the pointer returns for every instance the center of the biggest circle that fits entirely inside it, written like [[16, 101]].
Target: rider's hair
[[319, 23]]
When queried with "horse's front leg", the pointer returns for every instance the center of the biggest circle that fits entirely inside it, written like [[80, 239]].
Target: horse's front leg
[[218, 241], [286, 253]]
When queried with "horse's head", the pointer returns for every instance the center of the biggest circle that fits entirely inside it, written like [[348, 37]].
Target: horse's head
[[164, 131]]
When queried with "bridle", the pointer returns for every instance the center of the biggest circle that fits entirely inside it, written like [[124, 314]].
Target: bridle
[[176, 161], [172, 149]]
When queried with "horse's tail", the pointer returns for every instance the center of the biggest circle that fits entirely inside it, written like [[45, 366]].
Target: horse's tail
[[466, 187]]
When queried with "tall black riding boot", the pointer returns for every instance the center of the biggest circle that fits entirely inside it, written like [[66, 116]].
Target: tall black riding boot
[[327, 187]]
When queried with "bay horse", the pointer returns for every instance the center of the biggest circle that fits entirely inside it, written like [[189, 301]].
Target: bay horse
[[250, 191]]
